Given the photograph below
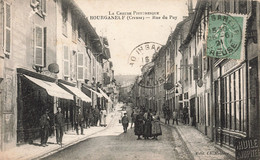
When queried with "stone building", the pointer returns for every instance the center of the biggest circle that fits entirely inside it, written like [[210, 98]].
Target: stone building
[[224, 93], [50, 54]]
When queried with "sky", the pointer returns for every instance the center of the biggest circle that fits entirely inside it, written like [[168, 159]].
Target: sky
[[126, 33]]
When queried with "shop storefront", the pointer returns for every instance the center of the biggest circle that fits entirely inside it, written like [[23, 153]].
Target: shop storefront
[[231, 108], [36, 93]]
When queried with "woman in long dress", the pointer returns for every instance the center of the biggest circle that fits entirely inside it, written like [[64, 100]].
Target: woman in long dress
[[156, 126], [139, 125], [147, 125]]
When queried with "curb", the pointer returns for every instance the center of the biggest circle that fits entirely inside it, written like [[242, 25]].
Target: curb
[[191, 156], [44, 155]]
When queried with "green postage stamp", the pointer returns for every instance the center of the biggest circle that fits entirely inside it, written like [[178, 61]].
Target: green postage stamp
[[226, 35]]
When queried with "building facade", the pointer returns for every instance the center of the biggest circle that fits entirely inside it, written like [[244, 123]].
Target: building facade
[[50, 52]]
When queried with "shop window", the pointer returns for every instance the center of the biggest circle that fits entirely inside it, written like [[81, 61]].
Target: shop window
[[7, 28], [39, 45], [66, 61], [80, 66], [39, 6], [234, 108]]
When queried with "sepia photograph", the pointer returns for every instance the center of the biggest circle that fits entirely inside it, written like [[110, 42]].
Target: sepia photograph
[[129, 79]]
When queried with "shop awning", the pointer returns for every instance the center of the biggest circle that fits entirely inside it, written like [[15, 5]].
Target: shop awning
[[105, 95], [51, 88], [77, 93], [98, 94]]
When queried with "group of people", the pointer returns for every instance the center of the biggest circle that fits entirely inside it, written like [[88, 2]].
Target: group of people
[[95, 116], [91, 118], [175, 115], [146, 124], [45, 124]]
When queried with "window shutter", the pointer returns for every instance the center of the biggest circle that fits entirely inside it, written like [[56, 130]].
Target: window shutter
[[195, 67], [38, 48], [45, 46], [80, 66], [7, 28], [43, 3], [200, 66], [86, 67], [66, 61]]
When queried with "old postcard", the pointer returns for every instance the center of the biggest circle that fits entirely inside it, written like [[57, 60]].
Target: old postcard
[[129, 79]]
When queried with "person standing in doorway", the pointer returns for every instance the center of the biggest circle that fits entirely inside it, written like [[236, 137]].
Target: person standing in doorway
[[125, 122], [59, 125], [45, 126]]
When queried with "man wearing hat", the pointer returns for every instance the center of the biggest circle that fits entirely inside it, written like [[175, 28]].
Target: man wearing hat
[[59, 124], [45, 126], [79, 121]]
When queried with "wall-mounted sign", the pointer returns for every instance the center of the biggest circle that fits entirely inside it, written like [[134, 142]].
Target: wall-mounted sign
[[247, 148]]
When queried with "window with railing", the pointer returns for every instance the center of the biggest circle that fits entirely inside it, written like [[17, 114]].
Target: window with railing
[[234, 104]]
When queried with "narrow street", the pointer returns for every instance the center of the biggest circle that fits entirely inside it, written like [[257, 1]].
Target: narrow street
[[114, 144]]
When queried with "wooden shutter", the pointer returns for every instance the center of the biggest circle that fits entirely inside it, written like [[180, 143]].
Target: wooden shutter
[[44, 45], [39, 46], [200, 66], [86, 67], [43, 7], [66, 64], [7, 28], [195, 67], [80, 66]]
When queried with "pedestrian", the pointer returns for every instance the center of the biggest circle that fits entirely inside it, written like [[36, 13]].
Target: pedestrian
[[133, 117], [59, 125], [125, 122], [87, 119], [156, 126], [103, 115], [167, 115], [174, 116], [139, 125], [91, 117], [164, 111], [96, 115], [45, 126], [147, 125], [185, 115], [79, 122]]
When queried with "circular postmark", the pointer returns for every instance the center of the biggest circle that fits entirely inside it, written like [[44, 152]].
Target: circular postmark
[[141, 58], [143, 53], [224, 35]]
